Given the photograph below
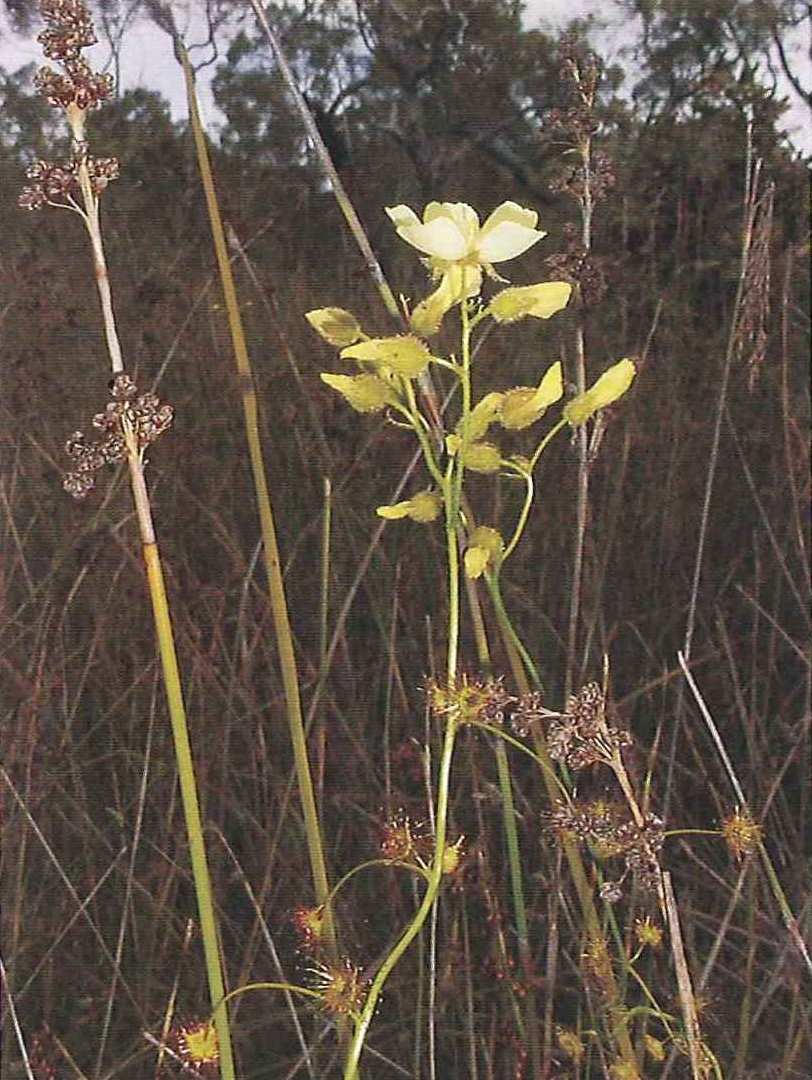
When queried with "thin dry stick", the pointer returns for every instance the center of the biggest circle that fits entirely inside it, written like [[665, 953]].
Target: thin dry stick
[[686, 993], [790, 922], [345, 204], [752, 175], [752, 172], [128, 886], [15, 1023]]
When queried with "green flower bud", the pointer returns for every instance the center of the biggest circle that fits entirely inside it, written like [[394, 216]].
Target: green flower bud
[[335, 325], [366, 393], [406, 355], [539, 301], [612, 385]]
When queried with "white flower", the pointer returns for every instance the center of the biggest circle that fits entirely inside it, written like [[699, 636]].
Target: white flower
[[450, 234]]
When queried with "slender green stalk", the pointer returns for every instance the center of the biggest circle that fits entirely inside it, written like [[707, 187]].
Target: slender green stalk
[[513, 850], [414, 927], [452, 495], [276, 587], [616, 1013], [191, 808], [162, 619]]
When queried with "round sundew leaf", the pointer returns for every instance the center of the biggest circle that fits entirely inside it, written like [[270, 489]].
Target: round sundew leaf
[[491, 539], [335, 325], [425, 506], [475, 560], [540, 301], [405, 354], [482, 457], [365, 393]]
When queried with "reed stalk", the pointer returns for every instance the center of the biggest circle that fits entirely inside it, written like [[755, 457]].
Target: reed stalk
[[273, 569]]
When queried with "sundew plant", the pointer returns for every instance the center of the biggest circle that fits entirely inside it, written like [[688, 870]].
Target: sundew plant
[[572, 790]]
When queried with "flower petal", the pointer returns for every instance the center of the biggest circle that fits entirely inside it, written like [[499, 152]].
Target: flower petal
[[508, 231], [506, 240], [402, 215], [441, 238], [511, 211]]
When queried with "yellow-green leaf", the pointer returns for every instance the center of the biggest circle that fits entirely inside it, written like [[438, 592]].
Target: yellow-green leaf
[[405, 354], [335, 325], [524, 405], [612, 385], [394, 511], [538, 301], [481, 457], [482, 415], [366, 393], [475, 559], [426, 318], [484, 551], [425, 506]]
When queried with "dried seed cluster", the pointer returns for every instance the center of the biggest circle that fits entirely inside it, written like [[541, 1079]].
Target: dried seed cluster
[[143, 416], [579, 266], [581, 736], [603, 825], [57, 185], [77, 89]]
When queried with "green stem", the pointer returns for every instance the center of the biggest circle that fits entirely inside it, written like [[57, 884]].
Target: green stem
[[414, 927], [191, 807], [518, 656], [530, 1032], [508, 632], [528, 499], [451, 486], [273, 569]]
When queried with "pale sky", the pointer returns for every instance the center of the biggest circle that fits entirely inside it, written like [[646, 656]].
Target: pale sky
[[147, 60]]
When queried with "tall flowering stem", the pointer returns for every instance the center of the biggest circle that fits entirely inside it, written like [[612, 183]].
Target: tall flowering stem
[[460, 254], [130, 422]]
